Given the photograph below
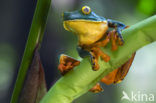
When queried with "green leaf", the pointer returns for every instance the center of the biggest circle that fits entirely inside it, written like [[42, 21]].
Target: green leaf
[[34, 40], [82, 78]]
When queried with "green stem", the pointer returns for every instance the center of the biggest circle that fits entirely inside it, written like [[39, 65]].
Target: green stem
[[35, 38], [82, 78]]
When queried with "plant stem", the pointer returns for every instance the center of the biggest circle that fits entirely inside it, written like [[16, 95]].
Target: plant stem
[[35, 38], [78, 81]]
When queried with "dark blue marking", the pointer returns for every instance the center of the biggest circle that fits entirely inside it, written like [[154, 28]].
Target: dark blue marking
[[83, 53]]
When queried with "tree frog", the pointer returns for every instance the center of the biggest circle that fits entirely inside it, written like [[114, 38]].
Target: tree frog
[[92, 32]]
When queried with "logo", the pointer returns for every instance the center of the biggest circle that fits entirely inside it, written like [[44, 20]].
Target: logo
[[138, 96]]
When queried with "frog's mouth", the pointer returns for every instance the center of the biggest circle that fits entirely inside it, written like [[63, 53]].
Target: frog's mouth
[[66, 26]]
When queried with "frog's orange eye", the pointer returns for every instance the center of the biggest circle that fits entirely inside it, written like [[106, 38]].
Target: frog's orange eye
[[86, 10]]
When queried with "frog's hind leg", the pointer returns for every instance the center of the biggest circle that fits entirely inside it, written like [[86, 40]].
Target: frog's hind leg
[[96, 89], [110, 78], [67, 63], [117, 75], [123, 70]]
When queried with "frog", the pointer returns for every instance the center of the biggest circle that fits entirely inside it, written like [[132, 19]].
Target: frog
[[93, 33]]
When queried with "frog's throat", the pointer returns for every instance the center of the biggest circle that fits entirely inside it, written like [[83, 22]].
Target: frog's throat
[[88, 31]]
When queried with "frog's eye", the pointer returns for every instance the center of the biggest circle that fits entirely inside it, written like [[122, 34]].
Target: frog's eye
[[86, 10]]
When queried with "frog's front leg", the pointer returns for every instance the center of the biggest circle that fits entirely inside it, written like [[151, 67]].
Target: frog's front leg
[[94, 53], [118, 26], [67, 63], [99, 53], [104, 42], [93, 57]]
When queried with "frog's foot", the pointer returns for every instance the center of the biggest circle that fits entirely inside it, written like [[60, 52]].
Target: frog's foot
[[96, 89], [67, 63]]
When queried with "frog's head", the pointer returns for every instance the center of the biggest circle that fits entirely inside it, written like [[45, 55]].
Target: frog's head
[[86, 24]]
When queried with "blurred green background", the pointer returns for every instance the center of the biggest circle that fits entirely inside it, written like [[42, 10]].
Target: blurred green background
[[15, 21]]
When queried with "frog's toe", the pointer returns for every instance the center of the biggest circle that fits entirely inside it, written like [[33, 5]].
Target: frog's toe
[[94, 62], [104, 56], [64, 68], [95, 67], [96, 89], [119, 35], [120, 41]]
